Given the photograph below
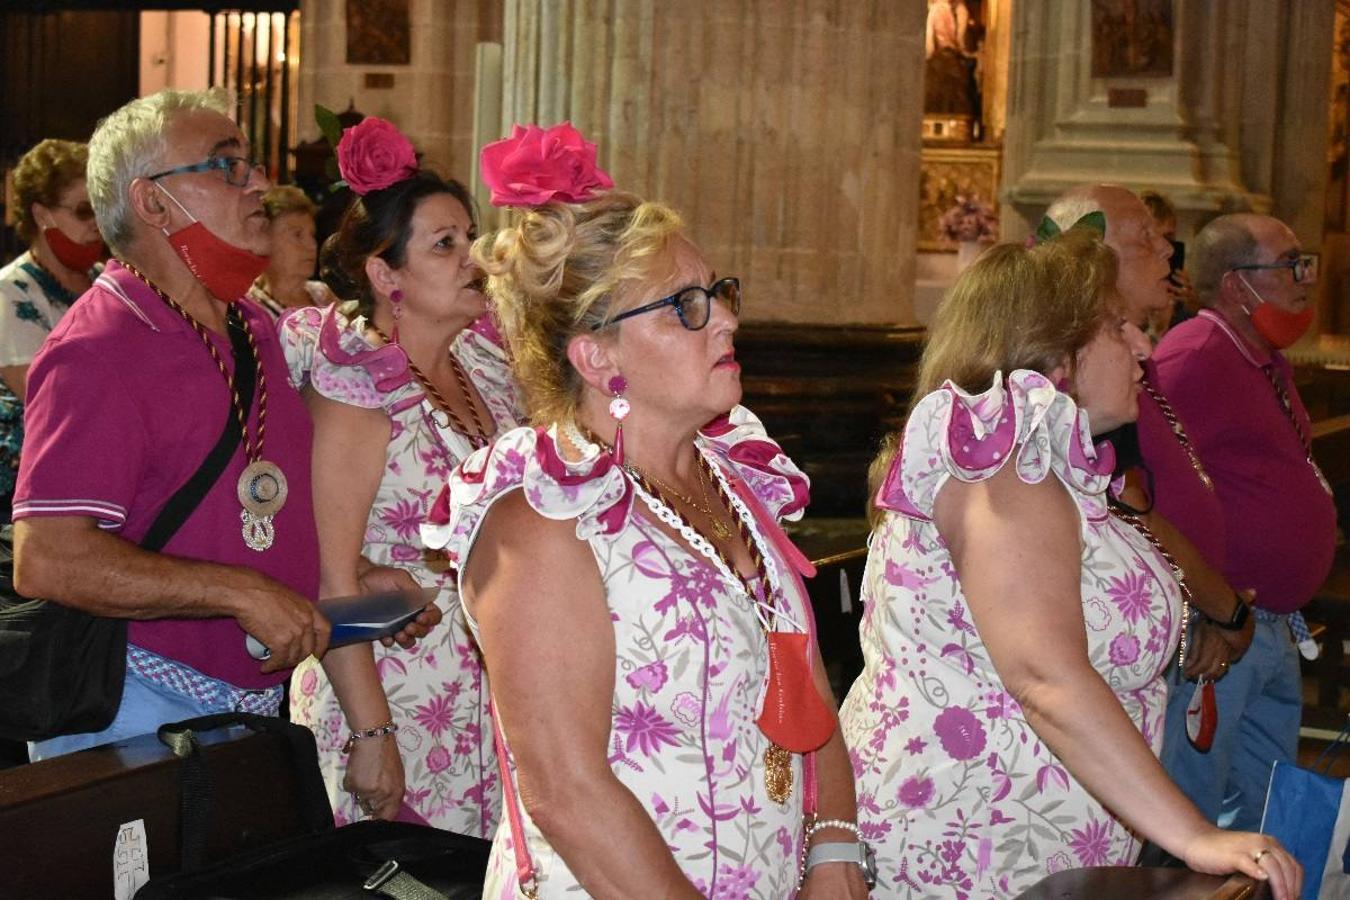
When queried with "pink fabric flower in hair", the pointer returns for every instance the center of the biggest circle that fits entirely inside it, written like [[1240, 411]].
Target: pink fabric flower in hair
[[535, 166], [373, 154]]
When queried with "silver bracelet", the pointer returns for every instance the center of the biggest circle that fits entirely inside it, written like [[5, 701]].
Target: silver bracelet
[[378, 731]]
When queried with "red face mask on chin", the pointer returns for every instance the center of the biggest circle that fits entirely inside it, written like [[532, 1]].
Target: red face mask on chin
[[223, 269], [1278, 327], [74, 256]]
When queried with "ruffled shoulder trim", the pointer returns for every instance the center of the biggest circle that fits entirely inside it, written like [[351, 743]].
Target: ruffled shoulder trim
[[740, 440], [591, 490], [327, 348], [972, 437]]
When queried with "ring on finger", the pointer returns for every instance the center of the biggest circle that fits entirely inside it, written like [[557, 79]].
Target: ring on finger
[[1256, 857]]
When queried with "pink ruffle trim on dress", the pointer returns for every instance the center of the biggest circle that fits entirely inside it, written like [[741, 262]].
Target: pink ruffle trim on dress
[[971, 437], [330, 352], [592, 489]]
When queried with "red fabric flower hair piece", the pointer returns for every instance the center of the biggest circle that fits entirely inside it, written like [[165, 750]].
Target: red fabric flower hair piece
[[537, 165], [373, 154]]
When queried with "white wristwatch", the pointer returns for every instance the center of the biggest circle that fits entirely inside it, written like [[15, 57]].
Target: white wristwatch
[[858, 853]]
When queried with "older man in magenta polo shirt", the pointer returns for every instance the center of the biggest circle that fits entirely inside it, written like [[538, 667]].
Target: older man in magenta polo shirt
[[1227, 380], [125, 401]]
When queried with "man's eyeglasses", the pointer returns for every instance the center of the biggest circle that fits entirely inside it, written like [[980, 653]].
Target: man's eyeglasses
[[692, 304], [236, 169], [1303, 267]]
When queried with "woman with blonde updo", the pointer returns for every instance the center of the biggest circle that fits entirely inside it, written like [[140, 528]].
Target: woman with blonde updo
[[402, 384], [1008, 718], [54, 217], [646, 634]]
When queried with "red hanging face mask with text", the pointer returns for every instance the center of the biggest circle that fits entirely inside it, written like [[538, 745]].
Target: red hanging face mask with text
[[223, 269]]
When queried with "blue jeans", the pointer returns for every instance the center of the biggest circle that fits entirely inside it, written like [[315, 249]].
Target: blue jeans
[[1260, 702], [146, 705]]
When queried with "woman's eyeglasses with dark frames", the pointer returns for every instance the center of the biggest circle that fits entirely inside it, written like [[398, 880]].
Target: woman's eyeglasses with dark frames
[[692, 304], [237, 169]]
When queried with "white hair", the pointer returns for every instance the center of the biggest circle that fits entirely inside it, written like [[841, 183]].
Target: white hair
[[128, 144]]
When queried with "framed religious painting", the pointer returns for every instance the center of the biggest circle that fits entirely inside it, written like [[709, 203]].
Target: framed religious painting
[[1132, 38], [379, 33]]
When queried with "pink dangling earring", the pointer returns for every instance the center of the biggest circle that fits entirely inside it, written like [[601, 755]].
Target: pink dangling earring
[[396, 298], [619, 408]]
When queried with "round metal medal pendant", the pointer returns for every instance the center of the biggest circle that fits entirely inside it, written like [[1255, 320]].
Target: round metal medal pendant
[[262, 489]]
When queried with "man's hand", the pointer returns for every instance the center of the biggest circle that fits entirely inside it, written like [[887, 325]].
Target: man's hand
[[373, 578], [1207, 652], [287, 624], [1238, 641]]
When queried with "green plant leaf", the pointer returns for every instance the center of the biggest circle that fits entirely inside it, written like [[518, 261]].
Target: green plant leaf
[[328, 124]]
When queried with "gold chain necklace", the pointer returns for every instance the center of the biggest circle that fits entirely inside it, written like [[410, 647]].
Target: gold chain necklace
[[478, 435], [1288, 406], [720, 529], [1178, 431], [1187, 598], [262, 487]]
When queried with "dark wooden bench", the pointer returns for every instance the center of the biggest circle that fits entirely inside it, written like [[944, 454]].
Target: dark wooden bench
[[1119, 883]]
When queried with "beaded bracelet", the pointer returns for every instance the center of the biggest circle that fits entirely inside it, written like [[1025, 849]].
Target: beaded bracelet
[[811, 829], [822, 824], [378, 731]]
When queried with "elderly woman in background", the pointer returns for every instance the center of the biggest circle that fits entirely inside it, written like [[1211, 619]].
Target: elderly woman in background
[[56, 220], [401, 385], [645, 630], [1008, 718], [289, 280]]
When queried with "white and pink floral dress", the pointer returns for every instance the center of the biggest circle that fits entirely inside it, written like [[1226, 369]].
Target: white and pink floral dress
[[691, 657], [956, 792], [436, 690]]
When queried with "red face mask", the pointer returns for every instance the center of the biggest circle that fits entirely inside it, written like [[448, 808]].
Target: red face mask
[[1278, 327], [74, 256], [223, 269]]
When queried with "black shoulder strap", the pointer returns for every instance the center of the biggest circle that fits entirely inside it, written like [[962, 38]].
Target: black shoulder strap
[[186, 499]]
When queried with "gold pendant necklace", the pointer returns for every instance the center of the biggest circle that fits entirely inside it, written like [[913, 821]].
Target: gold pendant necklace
[[262, 487]]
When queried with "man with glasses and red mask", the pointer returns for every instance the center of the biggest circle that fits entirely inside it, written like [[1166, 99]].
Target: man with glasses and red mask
[[1227, 379], [162, 377], [54, 217]]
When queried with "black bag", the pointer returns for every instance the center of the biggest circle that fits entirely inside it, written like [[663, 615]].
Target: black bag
[[324, 864], [61, 669]]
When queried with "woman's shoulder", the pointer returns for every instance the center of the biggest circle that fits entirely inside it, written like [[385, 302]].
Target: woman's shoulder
[[327, 348], [1020, 420], [590, 489], [741, 441]]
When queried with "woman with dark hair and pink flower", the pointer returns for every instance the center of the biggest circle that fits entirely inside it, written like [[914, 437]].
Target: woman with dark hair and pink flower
[[1016, 628], [403, 381], [666, 721]]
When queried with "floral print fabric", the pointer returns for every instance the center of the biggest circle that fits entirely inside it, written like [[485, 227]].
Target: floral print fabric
[[956, 792], [690, 662], [436, 690], [31, 303]]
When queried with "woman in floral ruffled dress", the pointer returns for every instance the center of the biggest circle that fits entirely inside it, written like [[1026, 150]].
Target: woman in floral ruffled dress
[[623, 566], [403, 382], [1009, 715]]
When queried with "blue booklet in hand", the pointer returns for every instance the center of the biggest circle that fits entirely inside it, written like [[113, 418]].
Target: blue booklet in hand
[[363, 617]]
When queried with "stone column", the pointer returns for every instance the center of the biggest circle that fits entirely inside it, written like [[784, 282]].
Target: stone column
[[1240, 123], [431, 98], [787, 134]]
